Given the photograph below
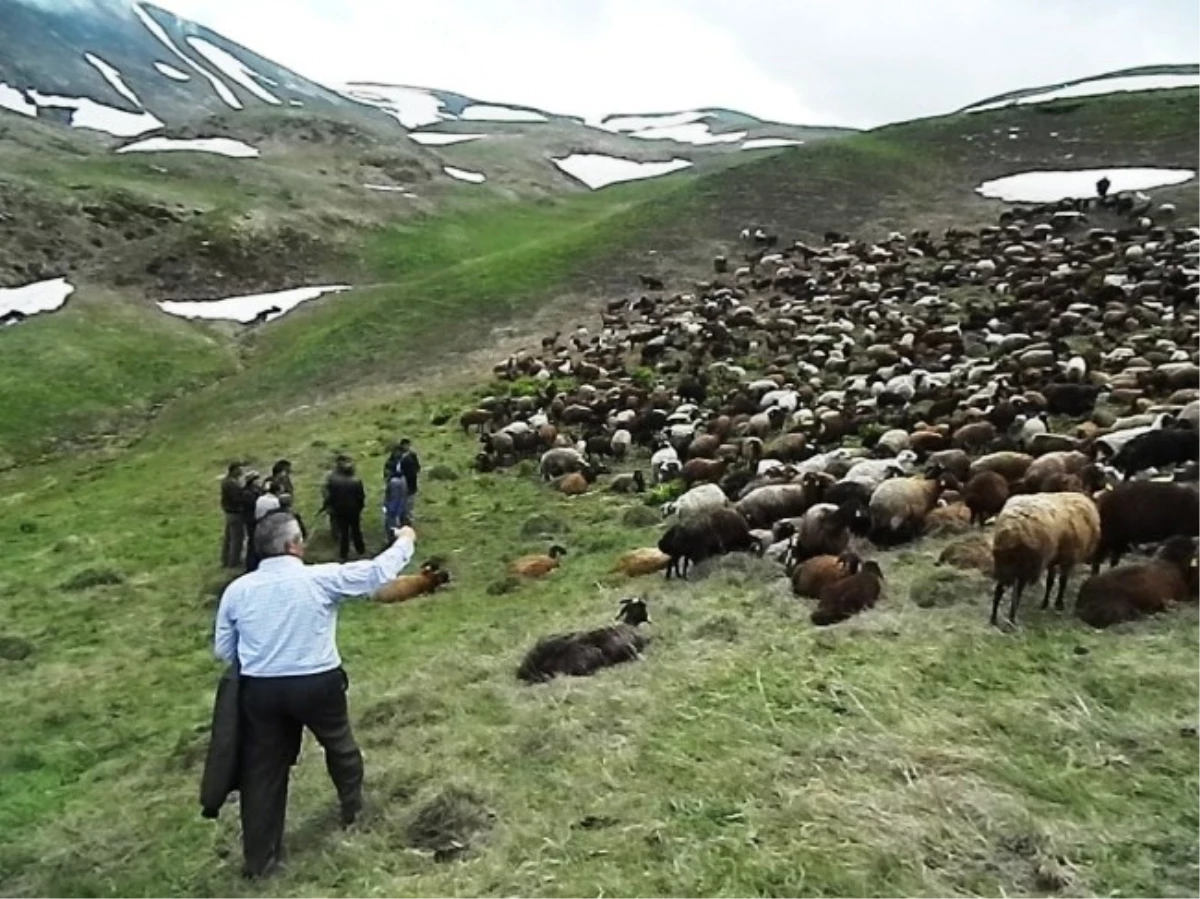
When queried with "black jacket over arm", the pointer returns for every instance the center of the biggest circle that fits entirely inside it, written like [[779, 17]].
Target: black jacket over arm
[[220, 776]]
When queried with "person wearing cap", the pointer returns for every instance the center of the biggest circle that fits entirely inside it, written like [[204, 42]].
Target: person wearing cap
[[345, 499], [279, 624], [234, 539]]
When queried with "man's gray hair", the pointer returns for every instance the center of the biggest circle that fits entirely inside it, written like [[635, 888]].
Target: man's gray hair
[[274, 532]]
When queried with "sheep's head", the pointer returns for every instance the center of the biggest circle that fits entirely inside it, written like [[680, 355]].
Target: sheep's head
[[557, 551], [850, 562], [633, 611]]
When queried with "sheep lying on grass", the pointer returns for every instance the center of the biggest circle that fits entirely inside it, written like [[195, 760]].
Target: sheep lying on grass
[[642, 561], [409, 586], [849, 596], [1041, 532], [581, 653], [537, 565], [1135, 591], [815, 574]]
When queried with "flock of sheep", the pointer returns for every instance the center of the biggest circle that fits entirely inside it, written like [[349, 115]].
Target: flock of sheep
[[1031, 386]]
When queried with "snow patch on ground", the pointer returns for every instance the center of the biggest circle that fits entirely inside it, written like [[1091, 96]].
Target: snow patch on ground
[[464, 175], [233, 68], [643, 122], [155, 29], [15, 101], [1097, 87], [246, 309], [482, 112], [436, 139], [696, 133], [90, 114], [113, 77], [171, 72], [412, 107], [41, 296], [223, 146], [391, 189], [1049, 186], [597, 170], [763, 143]]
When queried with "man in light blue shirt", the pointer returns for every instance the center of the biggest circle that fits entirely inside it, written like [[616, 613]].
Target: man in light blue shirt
[[280, 624]]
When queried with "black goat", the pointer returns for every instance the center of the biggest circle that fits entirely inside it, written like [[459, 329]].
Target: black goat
[[581, 653]]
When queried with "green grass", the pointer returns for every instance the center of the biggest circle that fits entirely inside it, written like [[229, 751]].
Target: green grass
[[101, 364], [912, 750]]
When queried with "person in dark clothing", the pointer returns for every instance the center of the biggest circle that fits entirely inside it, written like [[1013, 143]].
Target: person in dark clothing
[[410, 467], [281, 474], [252, 489], [345, 499], [234, 539]]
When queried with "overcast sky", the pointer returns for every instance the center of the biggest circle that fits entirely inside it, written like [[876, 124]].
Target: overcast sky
[[854, 62]]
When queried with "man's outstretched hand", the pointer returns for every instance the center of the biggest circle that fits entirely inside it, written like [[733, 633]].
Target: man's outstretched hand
[[405, 533]]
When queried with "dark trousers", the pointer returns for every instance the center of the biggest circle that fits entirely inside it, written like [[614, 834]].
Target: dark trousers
[[346, 529], [234, 540], [274, 711], [252, 558]]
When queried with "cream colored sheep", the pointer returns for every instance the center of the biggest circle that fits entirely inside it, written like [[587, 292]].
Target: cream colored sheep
[[1041, 532]]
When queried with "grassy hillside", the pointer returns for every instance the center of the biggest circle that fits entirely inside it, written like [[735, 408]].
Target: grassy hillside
[[914, 750]]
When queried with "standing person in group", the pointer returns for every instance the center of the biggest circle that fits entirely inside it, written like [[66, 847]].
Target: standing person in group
[[410, 467], [395, 503], [234, 539], [280, 624], [345, 499], [252, 489], [281, 474]]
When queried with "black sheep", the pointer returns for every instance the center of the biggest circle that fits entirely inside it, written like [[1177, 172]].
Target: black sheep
[[581, 653], [696, 539], [1156, 449], [1070, 399], [1144, 512]]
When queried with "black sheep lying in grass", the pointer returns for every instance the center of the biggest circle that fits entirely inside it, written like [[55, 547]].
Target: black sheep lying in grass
[[581, 653]]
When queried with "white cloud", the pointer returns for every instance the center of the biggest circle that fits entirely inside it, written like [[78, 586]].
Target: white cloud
[[859, 63]]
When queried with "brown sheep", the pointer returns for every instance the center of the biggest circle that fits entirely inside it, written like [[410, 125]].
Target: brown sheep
[[815, 574], [703, 471], [643, 561], [1011, 466], [849, 596], [952, 461], [969, 552], [974, 436], [410, 586], [947, 518], [573, 484], [703, 447], [787, 448], [1041, 532], [474, 418], [925, 442], [985, 495], [537, 565], [1135, 591], [1046, 471], [580, 653]]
